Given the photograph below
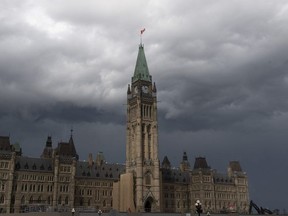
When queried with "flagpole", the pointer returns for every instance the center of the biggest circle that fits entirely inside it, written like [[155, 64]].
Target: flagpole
[[141, 32]]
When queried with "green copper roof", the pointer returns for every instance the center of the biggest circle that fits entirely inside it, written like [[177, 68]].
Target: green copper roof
[[141, 69]]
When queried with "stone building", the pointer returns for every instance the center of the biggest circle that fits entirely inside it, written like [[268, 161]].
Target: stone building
[[58, 180]]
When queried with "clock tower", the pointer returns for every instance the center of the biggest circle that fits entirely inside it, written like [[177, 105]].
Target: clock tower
[[142, 138]]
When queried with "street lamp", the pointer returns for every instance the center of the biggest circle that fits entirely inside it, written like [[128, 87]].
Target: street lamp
[[99, 212], [198, 207]]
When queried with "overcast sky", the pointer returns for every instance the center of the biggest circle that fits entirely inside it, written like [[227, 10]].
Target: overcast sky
[[220, 68]]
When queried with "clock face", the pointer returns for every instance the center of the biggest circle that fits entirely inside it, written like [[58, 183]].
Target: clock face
[[136, 89], [145, 89]]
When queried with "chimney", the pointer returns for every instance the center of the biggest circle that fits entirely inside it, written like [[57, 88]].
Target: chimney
[[90, 160]]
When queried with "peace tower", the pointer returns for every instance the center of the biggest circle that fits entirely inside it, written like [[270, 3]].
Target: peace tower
[[142, 137]]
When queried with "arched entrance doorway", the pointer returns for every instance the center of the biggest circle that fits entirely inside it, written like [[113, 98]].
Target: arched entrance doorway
[[148, 204]]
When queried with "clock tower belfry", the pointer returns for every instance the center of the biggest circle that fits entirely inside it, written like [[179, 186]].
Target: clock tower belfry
[[142, 138]]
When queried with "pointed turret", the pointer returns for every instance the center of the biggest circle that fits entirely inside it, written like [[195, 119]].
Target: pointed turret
[[67, 150], [184, 165], [166, 163], [154, 89], [48, 150], [141, 71], [72, 147], [49, 141], [129, 89], [129, 93]]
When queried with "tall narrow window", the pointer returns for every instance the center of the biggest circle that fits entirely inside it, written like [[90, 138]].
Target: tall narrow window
[[2, 199], [31, 199], [148, 179]]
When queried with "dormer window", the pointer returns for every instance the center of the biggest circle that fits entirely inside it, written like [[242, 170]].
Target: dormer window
[[26, 166]]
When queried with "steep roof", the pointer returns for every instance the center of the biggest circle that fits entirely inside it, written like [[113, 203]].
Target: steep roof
[[235, 166], [33, 164], [222, 179], [175, 176], [67, 150], [5, 148], [103, 171], [141, 71], [201, 163], [5, 143], [166, 163]]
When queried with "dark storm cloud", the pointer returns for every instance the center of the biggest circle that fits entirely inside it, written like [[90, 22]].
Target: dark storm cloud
[[220, 70], [257, 91], [240, 74], [69, 113]]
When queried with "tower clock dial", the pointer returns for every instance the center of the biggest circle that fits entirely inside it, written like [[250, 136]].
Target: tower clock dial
[[145, 89], [136, 89]]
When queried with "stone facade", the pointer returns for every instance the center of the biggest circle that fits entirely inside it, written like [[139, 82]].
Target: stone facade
[[218, 193], [58, 180]]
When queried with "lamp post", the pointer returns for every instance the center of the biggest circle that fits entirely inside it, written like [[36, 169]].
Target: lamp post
[[99, 212], [198, 207], [73, 211]]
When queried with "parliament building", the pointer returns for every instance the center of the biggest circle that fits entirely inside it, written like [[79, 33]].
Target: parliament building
[[59, 181]]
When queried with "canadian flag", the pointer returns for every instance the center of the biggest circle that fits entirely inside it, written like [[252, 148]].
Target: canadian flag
[[142, 30]]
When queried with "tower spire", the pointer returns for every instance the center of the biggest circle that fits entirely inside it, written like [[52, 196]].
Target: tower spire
[[141, 71]]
